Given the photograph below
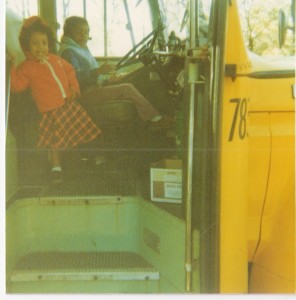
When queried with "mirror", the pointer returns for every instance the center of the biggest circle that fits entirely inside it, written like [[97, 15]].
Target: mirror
[[282, 28]]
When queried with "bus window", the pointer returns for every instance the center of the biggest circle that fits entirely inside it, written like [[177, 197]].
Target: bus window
[[119, 38], [23, 8]]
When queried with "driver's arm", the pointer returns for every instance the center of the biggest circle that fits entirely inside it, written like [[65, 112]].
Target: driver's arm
[[85, 77]]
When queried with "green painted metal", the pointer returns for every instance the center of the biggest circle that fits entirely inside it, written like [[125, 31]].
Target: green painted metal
[[11, 164], [102, 225]]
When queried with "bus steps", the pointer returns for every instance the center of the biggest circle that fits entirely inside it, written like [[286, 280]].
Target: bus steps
[[83, 266]]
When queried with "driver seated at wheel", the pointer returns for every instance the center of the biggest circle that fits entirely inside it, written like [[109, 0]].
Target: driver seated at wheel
[[90, 74]]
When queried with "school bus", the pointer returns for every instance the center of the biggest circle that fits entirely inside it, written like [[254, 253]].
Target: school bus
[[207, 206]]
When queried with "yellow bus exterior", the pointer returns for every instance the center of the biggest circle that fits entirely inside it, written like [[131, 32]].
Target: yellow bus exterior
[[257, 172]]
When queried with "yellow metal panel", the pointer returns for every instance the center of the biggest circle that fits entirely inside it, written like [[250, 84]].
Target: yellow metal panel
[[233, 222], [234, 163], [274, 263], [259, 160], [272, 95]]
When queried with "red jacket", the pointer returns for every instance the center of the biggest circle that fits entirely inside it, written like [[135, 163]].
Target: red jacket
[[51, 81]]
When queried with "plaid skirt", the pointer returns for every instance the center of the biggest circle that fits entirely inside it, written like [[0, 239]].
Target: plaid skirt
[[66, 127]]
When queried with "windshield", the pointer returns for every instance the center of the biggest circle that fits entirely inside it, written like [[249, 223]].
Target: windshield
[[175, 14], [114, 25], [117, 25]]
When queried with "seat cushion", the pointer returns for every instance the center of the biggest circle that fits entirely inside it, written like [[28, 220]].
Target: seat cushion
[[112, 112]]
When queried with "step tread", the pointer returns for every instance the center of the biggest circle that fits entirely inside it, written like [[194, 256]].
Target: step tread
[[83, 266]]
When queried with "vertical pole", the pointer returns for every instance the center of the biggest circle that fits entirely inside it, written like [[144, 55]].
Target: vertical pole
[[84, 9], [7, 94], [129, 23], [188, 184], [105, 29], [193, 77], [47, 10]]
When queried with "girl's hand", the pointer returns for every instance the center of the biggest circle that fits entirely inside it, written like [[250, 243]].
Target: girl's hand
[[11, 57], [105, 69]]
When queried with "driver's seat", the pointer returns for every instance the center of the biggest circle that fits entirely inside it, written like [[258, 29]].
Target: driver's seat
[[118, 120]]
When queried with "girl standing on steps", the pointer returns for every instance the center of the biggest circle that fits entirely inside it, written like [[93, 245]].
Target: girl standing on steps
[[54, 87]]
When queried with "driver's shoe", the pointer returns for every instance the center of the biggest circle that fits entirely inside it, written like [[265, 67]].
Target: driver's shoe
[[162, 124]]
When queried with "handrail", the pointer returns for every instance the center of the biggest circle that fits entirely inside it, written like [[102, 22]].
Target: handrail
[[188, 185], [129, 23], [7, 91]]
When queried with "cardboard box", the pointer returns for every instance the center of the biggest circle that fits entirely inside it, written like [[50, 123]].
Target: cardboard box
[[166, 181]]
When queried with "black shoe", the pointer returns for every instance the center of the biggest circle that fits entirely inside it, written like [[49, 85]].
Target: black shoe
[[56, 177]]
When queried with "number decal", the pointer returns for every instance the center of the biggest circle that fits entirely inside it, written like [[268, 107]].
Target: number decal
[[237, 101], [243, 119], [240, 112]]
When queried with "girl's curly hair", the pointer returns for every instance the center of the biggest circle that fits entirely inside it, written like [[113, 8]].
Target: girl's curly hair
[[32, 25]]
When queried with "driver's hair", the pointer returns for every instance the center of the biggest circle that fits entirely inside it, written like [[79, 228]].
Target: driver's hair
[[71, 23]]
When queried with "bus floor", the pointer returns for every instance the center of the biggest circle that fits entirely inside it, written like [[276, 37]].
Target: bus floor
[[123, 172]]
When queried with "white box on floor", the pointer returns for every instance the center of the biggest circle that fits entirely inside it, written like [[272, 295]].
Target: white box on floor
[[166, 181]]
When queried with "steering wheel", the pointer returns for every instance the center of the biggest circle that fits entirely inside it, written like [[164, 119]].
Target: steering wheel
[[143, 48]]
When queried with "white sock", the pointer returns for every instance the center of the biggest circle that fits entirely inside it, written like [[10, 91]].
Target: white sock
[[58, 169], [156, 118]]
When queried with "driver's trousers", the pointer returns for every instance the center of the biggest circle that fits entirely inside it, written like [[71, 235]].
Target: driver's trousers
[[124, 91]]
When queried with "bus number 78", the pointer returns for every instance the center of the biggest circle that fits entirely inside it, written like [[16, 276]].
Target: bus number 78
[[239, 118]]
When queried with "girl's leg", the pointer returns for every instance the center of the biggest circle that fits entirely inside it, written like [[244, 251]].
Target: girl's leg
[[56, 171], [55, 159], [124, 91]]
